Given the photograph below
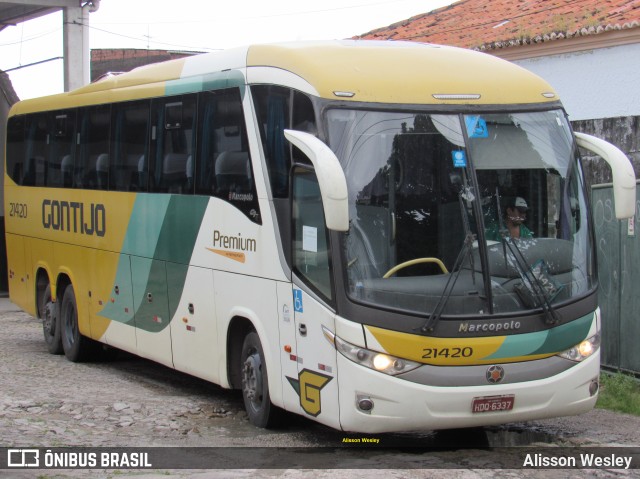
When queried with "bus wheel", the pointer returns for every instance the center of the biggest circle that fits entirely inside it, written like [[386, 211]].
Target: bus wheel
[[50, 322], [255, 385], [76, 346]]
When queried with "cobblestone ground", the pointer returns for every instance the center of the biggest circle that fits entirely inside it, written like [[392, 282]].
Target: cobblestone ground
[[46, 401]]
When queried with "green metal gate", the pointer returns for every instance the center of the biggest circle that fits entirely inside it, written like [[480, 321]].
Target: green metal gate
[[618, 250]]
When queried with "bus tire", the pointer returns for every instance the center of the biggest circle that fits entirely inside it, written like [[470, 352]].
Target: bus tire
[[255, 384], [50, 322], [77, 348]]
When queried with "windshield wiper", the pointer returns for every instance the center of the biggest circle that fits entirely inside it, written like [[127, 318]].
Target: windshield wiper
[[532, 282], [530, 279], [466, 250]]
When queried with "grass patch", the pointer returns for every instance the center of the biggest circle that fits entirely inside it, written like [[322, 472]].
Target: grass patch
[[619, 392]]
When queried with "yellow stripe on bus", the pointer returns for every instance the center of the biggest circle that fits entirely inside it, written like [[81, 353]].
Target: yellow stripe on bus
[[444, 351]]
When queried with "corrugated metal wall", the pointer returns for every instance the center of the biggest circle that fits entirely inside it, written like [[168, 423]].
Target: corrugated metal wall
[[618, 250]]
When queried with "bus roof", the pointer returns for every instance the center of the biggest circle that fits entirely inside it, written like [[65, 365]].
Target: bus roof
[[359, 70], [404, 72]]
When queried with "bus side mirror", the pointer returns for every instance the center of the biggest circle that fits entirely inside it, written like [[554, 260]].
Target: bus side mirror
[[624, 178], [333, 183]]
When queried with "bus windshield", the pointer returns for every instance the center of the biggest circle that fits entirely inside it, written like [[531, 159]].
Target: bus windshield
[[459, 214]]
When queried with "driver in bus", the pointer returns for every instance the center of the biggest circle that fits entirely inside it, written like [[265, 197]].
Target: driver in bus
[[514, 217]]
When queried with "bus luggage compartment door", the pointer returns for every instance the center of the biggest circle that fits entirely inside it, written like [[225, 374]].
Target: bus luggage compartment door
[[153, 335]]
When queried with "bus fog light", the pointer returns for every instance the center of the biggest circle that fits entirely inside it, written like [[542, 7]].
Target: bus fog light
[[593, 387], [365, 404]]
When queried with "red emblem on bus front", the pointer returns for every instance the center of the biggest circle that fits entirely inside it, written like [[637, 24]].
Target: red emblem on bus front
[[495, 374]]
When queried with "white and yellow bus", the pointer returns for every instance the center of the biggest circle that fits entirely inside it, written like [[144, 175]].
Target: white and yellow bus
[[312, 224]]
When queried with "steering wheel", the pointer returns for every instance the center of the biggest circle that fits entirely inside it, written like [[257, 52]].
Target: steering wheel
[[411, 262]]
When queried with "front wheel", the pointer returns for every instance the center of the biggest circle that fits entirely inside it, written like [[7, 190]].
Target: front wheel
[[50, 322], [255, 384]]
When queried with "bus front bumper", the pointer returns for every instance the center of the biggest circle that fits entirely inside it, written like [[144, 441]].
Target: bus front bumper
[[396, 404]]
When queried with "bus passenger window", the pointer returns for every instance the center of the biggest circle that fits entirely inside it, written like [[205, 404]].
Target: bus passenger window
[[130, 147], [16, 148], [62, 149], [173, 140], [223, 167], [35, 164], [277, 109], [92, 171]]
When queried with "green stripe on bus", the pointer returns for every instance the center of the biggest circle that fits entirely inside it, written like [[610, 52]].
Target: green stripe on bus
[[210, 81], [177, 237], [162, 232], [182, 221], [566, 336], [145, 224], [122, 310], [551, 341]]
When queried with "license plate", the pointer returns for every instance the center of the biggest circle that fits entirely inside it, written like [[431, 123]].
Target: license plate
[[492, 404]]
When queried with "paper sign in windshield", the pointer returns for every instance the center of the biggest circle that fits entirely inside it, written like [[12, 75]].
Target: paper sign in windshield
[[310, 239], [549, 285]]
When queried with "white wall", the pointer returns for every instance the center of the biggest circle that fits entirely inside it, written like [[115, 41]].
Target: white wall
[[600, 83]]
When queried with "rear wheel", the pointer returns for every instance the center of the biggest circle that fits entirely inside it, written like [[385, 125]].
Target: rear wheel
[[50, 322], [255, 385], [76, 347]]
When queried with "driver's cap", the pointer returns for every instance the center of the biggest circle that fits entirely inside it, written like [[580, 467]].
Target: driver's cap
[[521, 203]]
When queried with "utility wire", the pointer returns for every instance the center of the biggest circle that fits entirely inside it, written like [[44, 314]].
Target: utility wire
[[145, 39], [33, 64], [258, 17], [28, 39]]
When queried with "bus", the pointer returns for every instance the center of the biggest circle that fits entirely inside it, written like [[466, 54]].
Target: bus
[[309, 223]]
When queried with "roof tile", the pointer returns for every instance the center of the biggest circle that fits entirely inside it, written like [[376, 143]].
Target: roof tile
[[484, 25]]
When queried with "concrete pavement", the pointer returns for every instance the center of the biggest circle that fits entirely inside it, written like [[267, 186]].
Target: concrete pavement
[[6, 305]]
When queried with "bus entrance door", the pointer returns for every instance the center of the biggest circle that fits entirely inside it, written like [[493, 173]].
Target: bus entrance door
[[316, 384]]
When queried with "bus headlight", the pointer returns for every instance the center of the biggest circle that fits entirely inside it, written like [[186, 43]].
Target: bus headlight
[[384, 363], [582, 351]]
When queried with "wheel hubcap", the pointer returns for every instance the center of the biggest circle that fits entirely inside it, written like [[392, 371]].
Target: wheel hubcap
[[49, 318], [70, 325], [252, 379]]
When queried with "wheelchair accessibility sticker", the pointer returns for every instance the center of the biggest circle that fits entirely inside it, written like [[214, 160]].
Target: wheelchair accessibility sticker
[[476, 127], [297, 301]]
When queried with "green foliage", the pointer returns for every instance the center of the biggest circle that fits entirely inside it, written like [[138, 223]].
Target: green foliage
[[619, 392]]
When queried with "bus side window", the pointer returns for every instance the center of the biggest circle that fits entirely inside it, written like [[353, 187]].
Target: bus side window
[[128, 169], [208, 144], [16, 152], [310, 238], [35, 162], [272, 105], [279, 108], [223, 167], [61, 149], [173, 141], [92, 168]]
